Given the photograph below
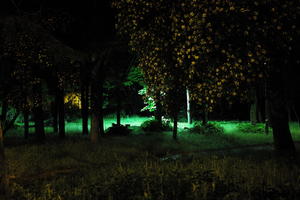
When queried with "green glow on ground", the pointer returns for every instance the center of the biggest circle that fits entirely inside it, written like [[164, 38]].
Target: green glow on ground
[[232, 133]]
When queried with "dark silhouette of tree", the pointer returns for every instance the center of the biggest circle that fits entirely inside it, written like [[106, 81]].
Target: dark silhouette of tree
[[216, 49]]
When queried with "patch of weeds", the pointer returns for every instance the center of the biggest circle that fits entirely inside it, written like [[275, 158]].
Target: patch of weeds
[[249, 128], [207, 129], [155, 125], [116, 130]]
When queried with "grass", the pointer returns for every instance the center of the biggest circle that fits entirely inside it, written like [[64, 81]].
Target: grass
[[152, 165]]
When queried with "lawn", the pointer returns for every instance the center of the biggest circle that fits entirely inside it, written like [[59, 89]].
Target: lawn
[[237, 164]]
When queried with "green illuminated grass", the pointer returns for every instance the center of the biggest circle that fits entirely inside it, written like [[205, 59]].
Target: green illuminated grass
[[235, 134], [142, 165]]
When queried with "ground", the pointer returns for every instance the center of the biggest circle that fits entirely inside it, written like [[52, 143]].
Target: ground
[[239, 164]]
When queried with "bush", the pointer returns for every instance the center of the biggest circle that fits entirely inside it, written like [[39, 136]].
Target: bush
[[118, 130], [249, 128], [155, 125], [207, 129]]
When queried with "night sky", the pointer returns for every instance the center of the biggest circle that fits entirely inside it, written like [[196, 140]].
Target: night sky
[[90, 21]]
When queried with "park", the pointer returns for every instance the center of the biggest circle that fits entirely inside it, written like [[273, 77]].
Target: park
[[149, 99]]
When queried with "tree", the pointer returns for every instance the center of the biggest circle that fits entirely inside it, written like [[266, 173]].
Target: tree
[[149, 30], [4, 181], [216, 49], [97, 81]]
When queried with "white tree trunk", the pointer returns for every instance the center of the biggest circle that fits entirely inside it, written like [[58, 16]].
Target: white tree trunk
[[188, 107]]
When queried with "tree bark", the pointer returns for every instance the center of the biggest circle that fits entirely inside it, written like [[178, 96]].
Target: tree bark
[[188, 107], [175, 126], [4, 111], [97, 122], [118, 107], [4, 181], [84, 89], [38, 113], [54, 112], [94, 132], [158, 111], [283, 142], [61, 113], [253, 107], [97, 81], [204, 117], [26, 123], [84, 107], [267, 110], [175, 113]]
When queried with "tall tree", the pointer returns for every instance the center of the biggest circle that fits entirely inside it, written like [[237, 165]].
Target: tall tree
[[218, 49]]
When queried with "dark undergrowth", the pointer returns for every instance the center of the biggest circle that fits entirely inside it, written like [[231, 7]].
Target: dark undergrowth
[[149, 166]]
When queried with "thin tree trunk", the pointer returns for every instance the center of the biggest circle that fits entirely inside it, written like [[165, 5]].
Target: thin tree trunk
[[101, 101], [54, 112], [84, 87], [94, 128], [175, 126], [4, 110], [267, 110], [61, 113], [158, 111], [205, 117], [253, 107], [188, 107], [94, 114], [26, 123], [39, 115], [4, 181], [258, 105], [175, 118], [84, 107], [118, 109], [25, 111]]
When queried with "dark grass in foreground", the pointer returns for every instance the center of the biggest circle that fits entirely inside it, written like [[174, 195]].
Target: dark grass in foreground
[[143, 166]]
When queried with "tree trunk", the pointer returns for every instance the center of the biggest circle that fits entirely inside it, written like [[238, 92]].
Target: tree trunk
[[100, 111], [4, 111], [97, 81], [175, 126], [84, 89], [253, 107], [61, 113], [267, 110], [283, 141], [54, 111], [84, 107], [175, 113], [4, 181], [188, 107], [204, 117], [94, 113], [158, 111], [118, 108], [26, 123], [97, 127], [39, 115]]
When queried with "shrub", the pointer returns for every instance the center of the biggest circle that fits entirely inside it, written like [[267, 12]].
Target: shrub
[[155, 125], [207, 129], [118, 130], [249, 128]]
